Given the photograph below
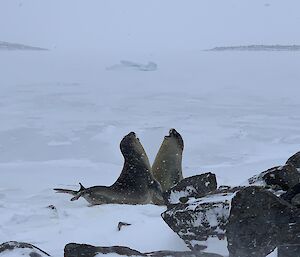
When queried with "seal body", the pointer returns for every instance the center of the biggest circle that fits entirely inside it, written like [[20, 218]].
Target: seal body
[[135, 185], [167, 166]]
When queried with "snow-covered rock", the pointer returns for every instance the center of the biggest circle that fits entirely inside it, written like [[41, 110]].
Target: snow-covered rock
[[279, 178], [252, 219], [201, 218], [194, 186], [20, 249]]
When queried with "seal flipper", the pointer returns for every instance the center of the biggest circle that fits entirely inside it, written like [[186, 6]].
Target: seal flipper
[[76, 197], [67, 191], [81, 187], [76, 194], [79, 192]]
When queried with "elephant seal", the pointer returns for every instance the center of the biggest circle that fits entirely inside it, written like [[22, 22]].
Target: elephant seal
[[167, 166], [135, 184]]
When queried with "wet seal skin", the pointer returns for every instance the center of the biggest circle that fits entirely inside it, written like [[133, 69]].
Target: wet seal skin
[[135, 185]]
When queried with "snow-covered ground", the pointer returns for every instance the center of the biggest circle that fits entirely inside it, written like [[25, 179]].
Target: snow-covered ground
[[63, 112]]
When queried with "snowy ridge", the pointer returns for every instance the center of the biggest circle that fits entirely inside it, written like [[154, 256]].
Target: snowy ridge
[[14, 46], [257, 48]]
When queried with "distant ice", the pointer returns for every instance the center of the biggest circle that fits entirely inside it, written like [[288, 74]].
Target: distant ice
[[150, 66], [257, 48], [13, 46]]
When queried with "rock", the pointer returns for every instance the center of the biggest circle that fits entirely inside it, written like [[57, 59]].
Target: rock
[[181, 254], [289, 251], [296, 200], [80, 250], [259, 221], [292, 196], [121, 224], [52, 207], [278, 178], [294, 160], [21, 249], [195, 186], [252, 219], [200, 218], [281, 177]]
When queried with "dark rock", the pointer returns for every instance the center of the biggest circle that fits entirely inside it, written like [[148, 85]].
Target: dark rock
[[121, 224], [289, 251], [294, 160], [224, 187], [296, 200], [80, 250], [278, 178], [12, 245], [292, 196], [201, 218], [254, 220], [195, 186], [181, 254], [34, 254], [259, 221], [52, 207]]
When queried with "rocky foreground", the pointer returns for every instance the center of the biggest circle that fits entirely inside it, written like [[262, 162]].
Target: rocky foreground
[[254, 219]]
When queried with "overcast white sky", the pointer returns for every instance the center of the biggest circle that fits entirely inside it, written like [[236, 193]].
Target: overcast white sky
[[107, 25]]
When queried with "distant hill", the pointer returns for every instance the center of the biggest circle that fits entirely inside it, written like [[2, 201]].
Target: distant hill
[[13, 46], [258, 48]]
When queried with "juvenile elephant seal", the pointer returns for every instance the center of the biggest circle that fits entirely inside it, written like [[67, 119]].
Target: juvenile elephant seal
[[167, 166], [135, 184]]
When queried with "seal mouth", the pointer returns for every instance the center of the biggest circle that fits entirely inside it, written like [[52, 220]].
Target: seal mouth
[[172, 133], [129, 143], [133, 135]]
